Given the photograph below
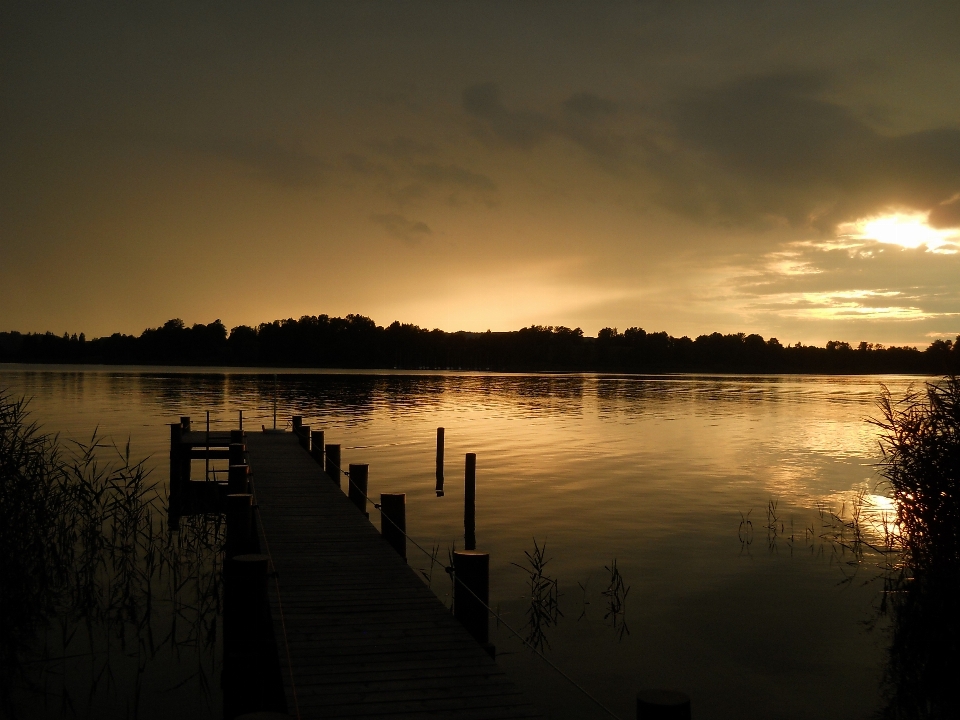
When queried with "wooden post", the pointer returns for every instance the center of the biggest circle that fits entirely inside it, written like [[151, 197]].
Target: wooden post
[[393, 521], [206, 455], [237, 480], [241, 421], [440, 432], [176, 482], [239, 509], [357, 486], [236, 436], [316, 446], [185, 422], [470, 502], [237, 450], [304, 433], [252, 679], [471, 592], [662, 705], [296, 421], [332, 464]]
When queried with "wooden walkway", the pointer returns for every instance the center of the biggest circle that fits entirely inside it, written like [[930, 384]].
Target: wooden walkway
[[366, 637]]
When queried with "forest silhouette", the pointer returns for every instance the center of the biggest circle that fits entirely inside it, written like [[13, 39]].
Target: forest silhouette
[[358, 342]]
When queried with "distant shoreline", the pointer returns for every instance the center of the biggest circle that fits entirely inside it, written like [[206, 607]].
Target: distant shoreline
[[356, 343]]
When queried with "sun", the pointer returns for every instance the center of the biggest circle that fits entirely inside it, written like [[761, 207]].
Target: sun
[[906, 229]]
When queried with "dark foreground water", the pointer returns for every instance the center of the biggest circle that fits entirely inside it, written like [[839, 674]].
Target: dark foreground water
[[651, 496]]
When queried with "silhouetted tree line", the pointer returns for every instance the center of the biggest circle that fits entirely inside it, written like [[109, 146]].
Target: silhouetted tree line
[[357, 342]]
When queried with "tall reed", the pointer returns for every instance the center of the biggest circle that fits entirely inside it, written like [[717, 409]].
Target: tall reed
[[90, 575]]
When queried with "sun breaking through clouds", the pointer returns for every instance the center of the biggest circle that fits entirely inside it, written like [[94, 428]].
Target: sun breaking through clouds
[[785, 169]]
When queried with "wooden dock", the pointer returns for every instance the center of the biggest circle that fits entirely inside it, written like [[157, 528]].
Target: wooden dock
[[358, 633]]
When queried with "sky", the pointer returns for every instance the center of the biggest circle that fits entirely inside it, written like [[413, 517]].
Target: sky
[[784, 168]]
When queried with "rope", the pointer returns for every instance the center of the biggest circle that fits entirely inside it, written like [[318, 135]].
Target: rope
[[283, 622], [495, 614]]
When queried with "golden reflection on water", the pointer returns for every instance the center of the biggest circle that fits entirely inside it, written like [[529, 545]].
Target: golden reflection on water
[[651, 471]]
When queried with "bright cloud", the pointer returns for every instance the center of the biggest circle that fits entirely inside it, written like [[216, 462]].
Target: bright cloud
[[906, 229]]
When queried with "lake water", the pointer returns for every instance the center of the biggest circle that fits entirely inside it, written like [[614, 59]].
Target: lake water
[[654, 474]]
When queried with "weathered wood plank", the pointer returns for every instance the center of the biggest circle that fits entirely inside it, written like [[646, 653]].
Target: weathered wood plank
[[365, 636]]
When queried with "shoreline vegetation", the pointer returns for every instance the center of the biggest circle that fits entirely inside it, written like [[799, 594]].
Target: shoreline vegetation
[[101, 602], [357, 342]]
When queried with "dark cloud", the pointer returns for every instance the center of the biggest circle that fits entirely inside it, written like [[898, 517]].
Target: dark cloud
[[271, 161], [404, 148], [947, 213], [772, 146], [521, 128], [410, 232], [588, 105], [454, 175]]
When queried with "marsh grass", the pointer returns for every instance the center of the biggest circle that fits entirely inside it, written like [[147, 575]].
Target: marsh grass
[[100, 606], [616, 597], [543, 610]]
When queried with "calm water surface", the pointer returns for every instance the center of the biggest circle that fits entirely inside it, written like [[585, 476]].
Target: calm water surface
[[654, 473]]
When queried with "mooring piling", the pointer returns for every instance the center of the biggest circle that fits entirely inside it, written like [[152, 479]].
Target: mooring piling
[[316, 446], [470, 502], [251, 665], [303, 434], [332, 463], [239, 511], [471, 593], [237, 450], [393, 521], [357, 484], [237, 479], [440, 432]]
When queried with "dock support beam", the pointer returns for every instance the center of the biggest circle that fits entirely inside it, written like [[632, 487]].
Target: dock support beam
[[440, 432]]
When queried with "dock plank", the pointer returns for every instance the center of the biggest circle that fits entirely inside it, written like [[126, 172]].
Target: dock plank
[[366, 638]]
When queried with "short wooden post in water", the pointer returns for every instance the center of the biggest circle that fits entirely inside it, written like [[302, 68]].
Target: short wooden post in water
[[296, 421], [316, 446], [332, 464], [393, 521], [185, 422], [239, 509], [470, 502], [237, 450], [662, 705], [471, 592], [440, 432], [304, 437], [237, 480], [357, 486]]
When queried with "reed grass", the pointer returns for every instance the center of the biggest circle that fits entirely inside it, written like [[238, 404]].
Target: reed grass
[[543, 610], [96, 592]]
